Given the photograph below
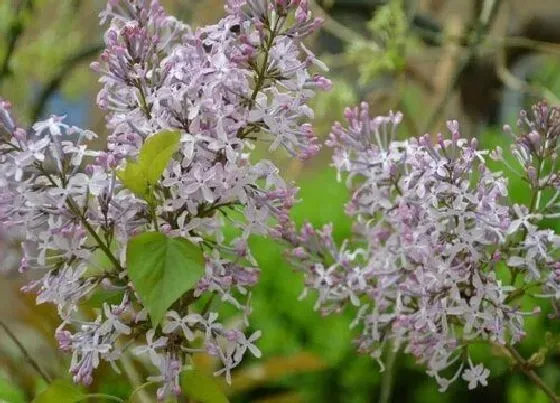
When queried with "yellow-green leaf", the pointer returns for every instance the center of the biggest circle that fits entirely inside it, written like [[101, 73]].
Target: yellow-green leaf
[[134, 179], [60, 391], [202, 388], [153, 158], [156, 153]]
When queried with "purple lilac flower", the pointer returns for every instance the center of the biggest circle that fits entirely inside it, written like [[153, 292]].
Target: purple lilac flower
[[432, 225], [248, 77]]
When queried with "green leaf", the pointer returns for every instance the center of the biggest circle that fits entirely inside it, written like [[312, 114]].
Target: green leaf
[[133, 178], [202, 388], [162, 269], [98, 262], [60, 391], [154, 156], [156, 153], [10, 393], [100, 296]]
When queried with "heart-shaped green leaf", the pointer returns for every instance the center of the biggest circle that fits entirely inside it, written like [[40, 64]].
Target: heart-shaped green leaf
[[162, 269]]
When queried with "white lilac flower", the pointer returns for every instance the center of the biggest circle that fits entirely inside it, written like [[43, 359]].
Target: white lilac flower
[[476, 375], [185, 324], [53, 125]]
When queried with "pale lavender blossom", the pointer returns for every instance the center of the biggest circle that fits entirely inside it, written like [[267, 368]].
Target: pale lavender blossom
[[431, 225], [246, 78], [475, 375]]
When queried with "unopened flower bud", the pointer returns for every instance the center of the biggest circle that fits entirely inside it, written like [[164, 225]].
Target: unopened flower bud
[[532, 175]]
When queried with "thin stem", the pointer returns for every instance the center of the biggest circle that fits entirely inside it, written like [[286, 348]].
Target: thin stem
[[387, 380], [440, 107], [73, 207], [140, 388], [152, 207], [154, 217], [261, 74], [101, 396], [143, 102], [25, 353], [105, 248], [76, 211], [519, 292], [535, 192], [526, 368], [135, 379]]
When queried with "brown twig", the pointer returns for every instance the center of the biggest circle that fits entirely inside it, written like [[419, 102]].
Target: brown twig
[[12, 36], [341, 31], [56, 81], [515, 83], [527, 370], [482, 26]]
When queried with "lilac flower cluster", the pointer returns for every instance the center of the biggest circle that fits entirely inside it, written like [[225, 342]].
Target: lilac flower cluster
[[222, 86], [433, 227]]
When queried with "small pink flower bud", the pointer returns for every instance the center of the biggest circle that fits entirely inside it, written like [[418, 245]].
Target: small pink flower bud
[[20, 134], [532, 175]]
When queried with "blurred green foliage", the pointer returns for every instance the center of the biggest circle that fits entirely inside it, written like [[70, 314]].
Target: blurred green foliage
[[10, 393], [50, 33], [389, 29]]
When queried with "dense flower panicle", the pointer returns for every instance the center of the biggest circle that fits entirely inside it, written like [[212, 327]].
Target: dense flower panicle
[[432, 227], [536, 149], [222, 86]]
